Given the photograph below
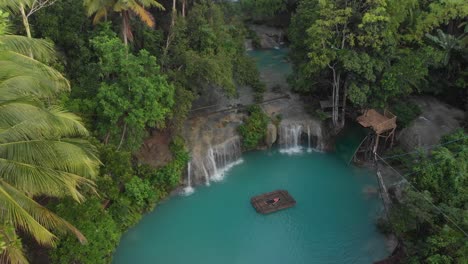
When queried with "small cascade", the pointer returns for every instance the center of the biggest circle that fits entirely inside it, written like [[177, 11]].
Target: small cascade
[[320, 146], [217, 161], [207, 177], [189, 189], [293, 140], [223, 157], [290, 138]]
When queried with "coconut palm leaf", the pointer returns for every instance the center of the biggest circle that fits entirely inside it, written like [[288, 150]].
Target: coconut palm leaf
[[143, 14], [42, 150], [32, 217], [41, 49], [22, 76], [13, 251], [100, 8]]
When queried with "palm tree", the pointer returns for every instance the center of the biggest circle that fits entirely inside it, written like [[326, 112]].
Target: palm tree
[[126, 8], [448, 43], [42, 150], [26, 8]]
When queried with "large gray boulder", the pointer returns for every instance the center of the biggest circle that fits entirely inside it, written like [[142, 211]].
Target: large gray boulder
[[437, 119]]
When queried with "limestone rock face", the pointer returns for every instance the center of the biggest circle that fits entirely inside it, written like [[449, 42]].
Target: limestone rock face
[[436, 120], [270, 37], [272, 135]]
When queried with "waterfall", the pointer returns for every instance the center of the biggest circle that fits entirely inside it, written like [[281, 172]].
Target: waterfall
[[217, 160], [223, 157], [207, 177], [290, 138], [189, 189]]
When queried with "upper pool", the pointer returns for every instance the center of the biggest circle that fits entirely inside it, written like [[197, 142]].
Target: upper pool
[[333, 221]]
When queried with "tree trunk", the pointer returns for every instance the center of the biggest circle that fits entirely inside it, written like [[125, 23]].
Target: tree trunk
[[170, 36], [125, 28], [25, 21], [123, 136], [26, 26], [343, 110], [174, 12], [183, 8]]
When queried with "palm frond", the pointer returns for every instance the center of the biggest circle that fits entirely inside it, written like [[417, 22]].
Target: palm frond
[[23, 120], [41, 49], [143, 14], [33, 217], [22, 76], [14, 212], [13, 252], [151, 3]]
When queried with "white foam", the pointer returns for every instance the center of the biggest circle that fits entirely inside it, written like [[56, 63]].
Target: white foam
[[188, 191], [219, 176]]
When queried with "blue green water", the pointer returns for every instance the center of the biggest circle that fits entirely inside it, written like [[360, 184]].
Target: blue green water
[[274, 60], [332, 222], [349, 140]]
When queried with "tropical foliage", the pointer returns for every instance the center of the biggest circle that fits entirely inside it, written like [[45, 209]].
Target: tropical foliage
[[429, 217], [254, 129], [42, 147], [369, 52], [360, 53], [126, 8]]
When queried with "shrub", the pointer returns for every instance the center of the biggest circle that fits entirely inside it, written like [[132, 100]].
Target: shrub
[[254, 129], [405, 112], [141, 192]]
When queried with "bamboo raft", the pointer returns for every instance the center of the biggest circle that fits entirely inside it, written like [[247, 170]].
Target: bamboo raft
[[260, 202]]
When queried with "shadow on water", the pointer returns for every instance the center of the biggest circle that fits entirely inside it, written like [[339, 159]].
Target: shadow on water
[[348, 140]]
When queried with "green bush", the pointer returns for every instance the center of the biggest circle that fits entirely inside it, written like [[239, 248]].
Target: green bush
[[97, 226], [254, 129], [126, 192], [141, 192], [405, 112]]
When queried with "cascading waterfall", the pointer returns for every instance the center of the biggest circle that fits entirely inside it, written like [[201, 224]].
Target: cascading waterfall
[[223, 157], [290, 138], [207, 177], [189, 189], [214, 165]]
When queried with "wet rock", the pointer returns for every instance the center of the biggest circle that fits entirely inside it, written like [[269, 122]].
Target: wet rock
[[269, 37], [272, 135]]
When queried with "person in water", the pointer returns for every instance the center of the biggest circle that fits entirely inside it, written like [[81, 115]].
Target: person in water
[[273, 201]]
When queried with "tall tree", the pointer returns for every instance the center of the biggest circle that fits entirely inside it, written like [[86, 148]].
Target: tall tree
[[357, 49], [133, 95], [126, 9], [26, 8], [42, 150]]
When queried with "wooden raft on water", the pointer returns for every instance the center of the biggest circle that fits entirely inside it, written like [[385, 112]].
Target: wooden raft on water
[[260, 202]]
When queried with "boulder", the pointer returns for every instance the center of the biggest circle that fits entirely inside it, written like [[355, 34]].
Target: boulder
[[437, 119], [272, 135]]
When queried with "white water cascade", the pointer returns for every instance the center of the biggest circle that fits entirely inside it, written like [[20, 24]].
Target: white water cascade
[[223, 157], [218, 159], [189, 189], [207, 176], [291, 137]]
